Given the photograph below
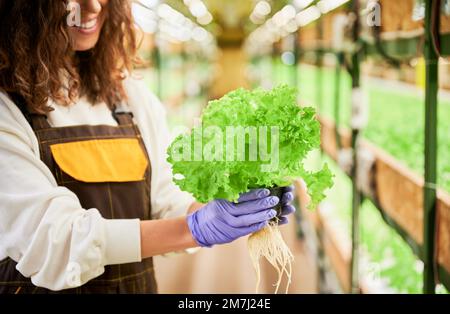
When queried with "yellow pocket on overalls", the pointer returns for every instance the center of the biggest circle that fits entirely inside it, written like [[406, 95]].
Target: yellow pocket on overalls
[[104, 160]]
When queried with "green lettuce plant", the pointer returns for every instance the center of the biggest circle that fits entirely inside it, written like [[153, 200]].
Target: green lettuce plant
[[212, 162]]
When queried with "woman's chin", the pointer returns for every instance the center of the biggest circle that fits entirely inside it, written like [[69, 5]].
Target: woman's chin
[[83, 43], [83, 48]]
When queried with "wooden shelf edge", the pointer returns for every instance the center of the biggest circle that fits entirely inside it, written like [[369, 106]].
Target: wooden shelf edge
[[398, 194], [337, 249]]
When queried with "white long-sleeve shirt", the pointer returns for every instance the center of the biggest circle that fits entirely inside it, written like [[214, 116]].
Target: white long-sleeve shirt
[[43, 226]]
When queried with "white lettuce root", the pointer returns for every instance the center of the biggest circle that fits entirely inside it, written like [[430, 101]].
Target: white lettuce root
[[269, 243]]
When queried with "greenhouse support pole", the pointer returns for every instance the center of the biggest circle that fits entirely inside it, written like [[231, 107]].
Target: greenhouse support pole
[[319, 81], [296, 55], [158, 70], [321, 283], [185, 69], [337, 96], [157, 60], [429, 210], [356, 195], [319, 64], [298, 213], [274, 65]]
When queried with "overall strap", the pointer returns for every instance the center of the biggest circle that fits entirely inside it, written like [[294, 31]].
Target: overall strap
[[122, 115], [39, 122], [36, 120]]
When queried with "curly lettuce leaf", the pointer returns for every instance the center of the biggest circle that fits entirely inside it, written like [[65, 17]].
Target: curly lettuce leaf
[[208, 174]]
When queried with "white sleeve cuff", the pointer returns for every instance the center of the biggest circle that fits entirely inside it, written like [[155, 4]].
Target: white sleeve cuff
[[123, 241], [180, 208]]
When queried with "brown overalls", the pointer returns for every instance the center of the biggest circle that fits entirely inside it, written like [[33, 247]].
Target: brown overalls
[[115, 200]]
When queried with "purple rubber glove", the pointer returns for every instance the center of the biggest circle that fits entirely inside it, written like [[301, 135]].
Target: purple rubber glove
[[221, 221], [286, 207]]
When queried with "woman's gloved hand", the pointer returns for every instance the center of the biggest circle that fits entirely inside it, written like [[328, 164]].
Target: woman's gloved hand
[[286, 207], [221, 221]]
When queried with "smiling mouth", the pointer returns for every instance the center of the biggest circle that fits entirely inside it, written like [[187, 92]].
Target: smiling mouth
[[89, 26]]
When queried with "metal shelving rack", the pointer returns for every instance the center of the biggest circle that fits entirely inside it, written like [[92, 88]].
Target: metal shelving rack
[[401, 48]]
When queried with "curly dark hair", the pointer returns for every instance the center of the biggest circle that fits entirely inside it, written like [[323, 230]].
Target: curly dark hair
[[35, 50]]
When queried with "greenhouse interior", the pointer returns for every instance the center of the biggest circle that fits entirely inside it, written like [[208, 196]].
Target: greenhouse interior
[[378, 75]]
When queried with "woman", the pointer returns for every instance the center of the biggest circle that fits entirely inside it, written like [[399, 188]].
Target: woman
[[86, 197]]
